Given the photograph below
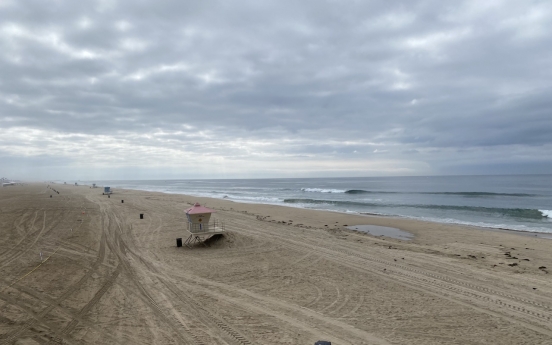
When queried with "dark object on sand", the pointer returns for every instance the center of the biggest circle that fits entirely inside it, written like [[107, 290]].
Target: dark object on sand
[[50, 196], [323, 342], [122, 201], [141, 216], [179, 242]]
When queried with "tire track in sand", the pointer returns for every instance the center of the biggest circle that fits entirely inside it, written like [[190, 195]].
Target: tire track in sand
[[186, 301], [442, 286], [39, 318]]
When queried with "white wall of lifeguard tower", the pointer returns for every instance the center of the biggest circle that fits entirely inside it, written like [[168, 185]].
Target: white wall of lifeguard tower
[[199, 222]]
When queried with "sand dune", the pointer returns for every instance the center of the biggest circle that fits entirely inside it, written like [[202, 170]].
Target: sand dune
[[278, 276]]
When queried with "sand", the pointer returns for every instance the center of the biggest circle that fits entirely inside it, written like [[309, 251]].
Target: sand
[[278, 276]]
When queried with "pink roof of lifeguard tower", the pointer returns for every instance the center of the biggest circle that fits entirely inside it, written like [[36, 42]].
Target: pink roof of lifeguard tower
[[197, 208]]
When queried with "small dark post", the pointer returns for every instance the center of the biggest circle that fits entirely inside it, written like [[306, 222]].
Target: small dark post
[[179, 242], [122, 201], [109, 196], [50, 196], [141, 216]]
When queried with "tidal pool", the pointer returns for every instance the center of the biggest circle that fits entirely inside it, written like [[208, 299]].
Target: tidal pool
[[376, 230]]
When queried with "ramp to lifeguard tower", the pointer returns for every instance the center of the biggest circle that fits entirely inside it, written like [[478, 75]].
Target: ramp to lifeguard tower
[[206, 241]]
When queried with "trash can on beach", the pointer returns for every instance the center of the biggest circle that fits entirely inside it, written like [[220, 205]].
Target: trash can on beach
[[179, 242]]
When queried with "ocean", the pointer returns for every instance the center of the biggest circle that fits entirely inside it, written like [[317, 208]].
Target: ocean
[[515, 202]]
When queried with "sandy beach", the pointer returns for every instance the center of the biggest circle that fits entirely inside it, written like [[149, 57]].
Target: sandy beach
[[279, 275]]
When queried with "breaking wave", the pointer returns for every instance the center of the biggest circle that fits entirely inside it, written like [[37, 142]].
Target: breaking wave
[[357, 191], [508, 212], [476, 194], [323, 190], [546, 213], [466, 194]]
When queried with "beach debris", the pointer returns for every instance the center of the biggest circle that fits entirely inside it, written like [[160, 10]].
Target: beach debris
[[525, 259], [534, 288], [542, 268], [394, 259], [512, 265]]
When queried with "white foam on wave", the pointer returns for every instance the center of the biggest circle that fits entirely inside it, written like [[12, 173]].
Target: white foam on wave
[[546, 213], [261, 199], [323, 190]]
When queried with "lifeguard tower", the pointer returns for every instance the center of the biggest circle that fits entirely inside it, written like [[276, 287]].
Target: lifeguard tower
[[200, 225]]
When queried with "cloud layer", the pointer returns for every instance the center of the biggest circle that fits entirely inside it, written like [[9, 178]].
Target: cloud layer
[[135, 89]]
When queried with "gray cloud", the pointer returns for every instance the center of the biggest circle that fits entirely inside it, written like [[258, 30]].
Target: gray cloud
[[247, 88]]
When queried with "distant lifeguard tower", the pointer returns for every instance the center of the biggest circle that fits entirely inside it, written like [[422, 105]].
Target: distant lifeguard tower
[[107, 191], [200, 225]]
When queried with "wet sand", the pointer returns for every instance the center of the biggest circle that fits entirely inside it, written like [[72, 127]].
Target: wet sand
[[278, 276]]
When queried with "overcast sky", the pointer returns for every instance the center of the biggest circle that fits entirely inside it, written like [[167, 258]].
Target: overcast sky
[[238, 89]]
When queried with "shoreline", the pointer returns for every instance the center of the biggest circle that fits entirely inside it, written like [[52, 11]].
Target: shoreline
[[538, 234]]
